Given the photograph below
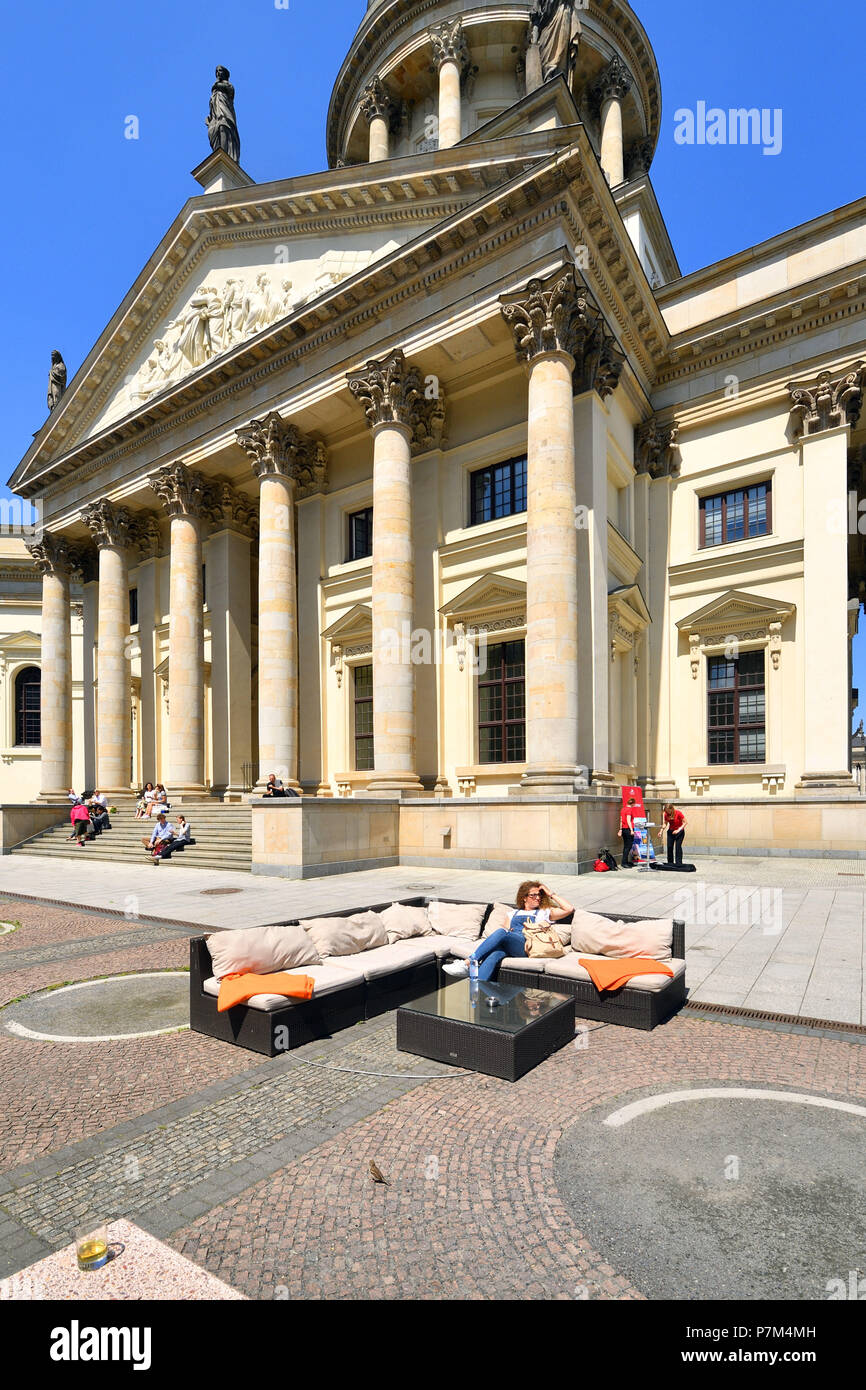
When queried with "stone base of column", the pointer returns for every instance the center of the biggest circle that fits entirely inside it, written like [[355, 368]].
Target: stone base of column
[[442, 788], [558, 781], [325, 789], [189, 791], [394, 784], [826, 786], [660, 789]]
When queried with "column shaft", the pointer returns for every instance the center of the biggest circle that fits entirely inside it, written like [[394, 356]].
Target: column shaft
[[612, 158], [56, 736], [185, 772], [393, 612], [379, 139], [278, 632], [113, 691], [551, 562], [228, 572], [450, 115]]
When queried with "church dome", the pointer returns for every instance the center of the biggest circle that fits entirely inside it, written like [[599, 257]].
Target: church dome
[[393, 54]]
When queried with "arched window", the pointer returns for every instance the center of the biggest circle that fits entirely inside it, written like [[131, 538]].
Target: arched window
[[28, 704]]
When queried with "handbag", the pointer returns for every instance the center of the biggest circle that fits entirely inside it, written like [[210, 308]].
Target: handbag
[[542, 943]]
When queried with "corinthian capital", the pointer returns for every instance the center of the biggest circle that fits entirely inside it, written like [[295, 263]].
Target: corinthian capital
[[107, 524], [144, 533], [227, 508], [276, 447], [52, 555], [653, 447], [613, 82], [557, 315], [394, 393], [376, 101], [831, 402], [449, 44], [181, 490]]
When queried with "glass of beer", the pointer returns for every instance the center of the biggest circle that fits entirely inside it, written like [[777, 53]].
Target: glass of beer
[[91, 1246]]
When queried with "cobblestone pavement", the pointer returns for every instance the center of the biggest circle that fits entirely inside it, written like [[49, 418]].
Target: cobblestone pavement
[[257, 1169]]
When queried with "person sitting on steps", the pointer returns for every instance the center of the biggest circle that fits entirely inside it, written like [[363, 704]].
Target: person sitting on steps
[[163, 833]]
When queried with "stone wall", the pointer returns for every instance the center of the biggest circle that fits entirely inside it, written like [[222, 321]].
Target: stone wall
[[308, 837], [20, 823]]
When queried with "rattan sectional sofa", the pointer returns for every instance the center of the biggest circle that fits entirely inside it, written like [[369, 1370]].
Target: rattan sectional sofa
[[350, 989]]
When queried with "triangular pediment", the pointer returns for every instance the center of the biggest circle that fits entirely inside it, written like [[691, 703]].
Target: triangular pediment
[[628, 603], [11, 642], [488, 594], [736, 610], [355, 624]]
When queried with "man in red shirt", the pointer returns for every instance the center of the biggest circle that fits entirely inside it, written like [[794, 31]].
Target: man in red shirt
[[675, 822], [626, 830]]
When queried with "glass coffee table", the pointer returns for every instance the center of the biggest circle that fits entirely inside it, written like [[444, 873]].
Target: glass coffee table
[[498, 1029]]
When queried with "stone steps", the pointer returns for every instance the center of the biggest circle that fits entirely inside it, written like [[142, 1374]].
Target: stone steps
[[223, 835]]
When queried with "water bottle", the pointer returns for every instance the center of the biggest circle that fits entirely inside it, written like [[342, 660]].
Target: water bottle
[[473, 968], [474, 992]]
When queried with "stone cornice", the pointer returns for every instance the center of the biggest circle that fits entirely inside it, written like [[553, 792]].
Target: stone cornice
[[517, 209]]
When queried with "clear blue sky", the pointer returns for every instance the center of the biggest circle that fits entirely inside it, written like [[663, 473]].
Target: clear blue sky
[[86, 207]]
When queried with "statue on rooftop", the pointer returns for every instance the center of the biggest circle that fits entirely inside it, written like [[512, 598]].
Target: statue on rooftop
[[56, 381], [222, 126], [555, 28]]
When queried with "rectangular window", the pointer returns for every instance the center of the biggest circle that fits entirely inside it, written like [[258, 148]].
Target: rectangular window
[[736, 723], [133, 607], [361, 534], [363, 695], [736, 516], [498, 491], [501, 705]]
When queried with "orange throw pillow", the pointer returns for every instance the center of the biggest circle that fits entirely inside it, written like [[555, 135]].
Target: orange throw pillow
[[237, 989], [612, 974]]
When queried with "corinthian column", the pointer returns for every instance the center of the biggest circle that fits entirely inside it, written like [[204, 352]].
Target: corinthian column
[[109, 525], [401, 414], [377, 109], [52, 558], [183, 493], [283, 460], [451, 57], [612, 88], [562, 339]]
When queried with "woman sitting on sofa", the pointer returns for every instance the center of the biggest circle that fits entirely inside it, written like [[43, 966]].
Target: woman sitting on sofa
[[536, 904]]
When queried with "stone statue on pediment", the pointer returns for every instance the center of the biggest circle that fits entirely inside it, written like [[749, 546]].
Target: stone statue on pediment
[[222, 126], [201, 328], [556, 29], [56, 381], [157, 372]]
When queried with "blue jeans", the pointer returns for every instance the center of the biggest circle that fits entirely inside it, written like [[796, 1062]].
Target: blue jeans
[[492, 952]]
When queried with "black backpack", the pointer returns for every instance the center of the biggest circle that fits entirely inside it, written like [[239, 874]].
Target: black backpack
[[607, 858]]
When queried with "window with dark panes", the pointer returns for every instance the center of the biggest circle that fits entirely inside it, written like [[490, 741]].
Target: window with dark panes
[[498, 491], [28, 707], [736, 725], [736, 516], [502, 705], [363, 694], [133, 607], [361, 534]]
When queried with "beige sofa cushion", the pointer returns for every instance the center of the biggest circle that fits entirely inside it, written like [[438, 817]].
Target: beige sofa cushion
[[346, 936], [593, 935], [529, 963], [327, 980], [387, 960], [499, 918], [402, 923], [456, 919], [459, 946], [569, 969], [261, 950]]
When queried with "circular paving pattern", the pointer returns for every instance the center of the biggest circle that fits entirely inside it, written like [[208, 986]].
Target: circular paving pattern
[[122, 1006], [756, 1197]]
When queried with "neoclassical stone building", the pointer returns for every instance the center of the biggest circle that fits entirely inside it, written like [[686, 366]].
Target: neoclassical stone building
[[430, 476]]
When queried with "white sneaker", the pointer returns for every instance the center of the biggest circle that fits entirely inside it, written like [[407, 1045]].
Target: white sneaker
[[458, 968]]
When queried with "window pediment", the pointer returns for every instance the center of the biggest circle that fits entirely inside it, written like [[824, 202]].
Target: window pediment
[[735, 612], [493, 595]]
